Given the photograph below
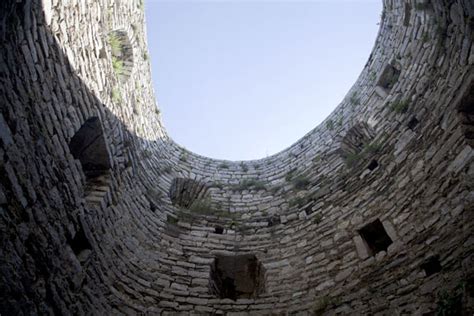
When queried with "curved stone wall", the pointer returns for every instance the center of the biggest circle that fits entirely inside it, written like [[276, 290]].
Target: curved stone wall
[[368, 214]]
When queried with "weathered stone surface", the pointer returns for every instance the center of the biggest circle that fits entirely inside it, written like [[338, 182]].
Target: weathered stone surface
[[152, 225]]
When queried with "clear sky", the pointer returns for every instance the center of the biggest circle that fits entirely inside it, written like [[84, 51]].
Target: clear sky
[[243, 80]]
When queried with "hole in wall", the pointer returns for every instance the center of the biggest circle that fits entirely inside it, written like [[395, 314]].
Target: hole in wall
[[234, 277], [388, 78], [375, 237], [122, 54], [466, 114], [219, 230], [81, 246], [88, 146], [413, 123], [431, 265], [356, 138], [355, 145], [274, 220], [373, 165], [184, 192]]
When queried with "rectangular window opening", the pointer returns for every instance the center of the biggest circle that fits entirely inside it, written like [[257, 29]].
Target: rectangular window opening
[[413, 123], [373, 165], [234, 277], [81, 246], [431, 265], [375, 237], [388, 78]]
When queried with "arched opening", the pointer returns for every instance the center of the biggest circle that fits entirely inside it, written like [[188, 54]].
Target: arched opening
[[387, 79], [240, 276], [186, 192], [122, 54], [88, 146], [357, 146], [466, 114]]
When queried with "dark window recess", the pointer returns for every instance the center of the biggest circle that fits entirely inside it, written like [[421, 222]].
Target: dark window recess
[[153, 207], [122, 54], [88, 145], [375, 236], [309, 210], [219, 230], [274, 220], [237, 277], [80, 246], [431, 265], [184, 192], [388, 78], [466, 114], [406, 19], [356, 144], [373, 165], [413, 123]]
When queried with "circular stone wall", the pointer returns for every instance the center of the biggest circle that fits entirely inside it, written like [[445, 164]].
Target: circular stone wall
[[371, 213]]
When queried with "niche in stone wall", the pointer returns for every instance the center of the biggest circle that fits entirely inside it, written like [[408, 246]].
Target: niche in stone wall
[[187, 192], [373, 165], [122, 54], [88, 146], [431, 265], [413, 123], [356, 144], [466, 114], [375, 237], [235, 277], [387, 79], [81, 246]]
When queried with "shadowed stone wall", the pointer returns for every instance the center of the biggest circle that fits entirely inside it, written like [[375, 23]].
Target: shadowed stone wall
[[370, 213]]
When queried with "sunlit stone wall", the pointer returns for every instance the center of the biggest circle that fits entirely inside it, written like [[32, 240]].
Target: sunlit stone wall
[[101, 212]]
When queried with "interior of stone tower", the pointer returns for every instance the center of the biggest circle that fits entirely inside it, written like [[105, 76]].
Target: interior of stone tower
[[102, 213]]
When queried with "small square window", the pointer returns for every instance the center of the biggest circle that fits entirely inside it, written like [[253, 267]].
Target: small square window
[[388, 77], [375, 237], [237, 277], [413, 123], [219, 230], [373, 165], [274, 220], [81, 246], [431, 265]]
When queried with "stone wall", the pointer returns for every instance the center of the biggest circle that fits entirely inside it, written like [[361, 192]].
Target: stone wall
[[369, 213]]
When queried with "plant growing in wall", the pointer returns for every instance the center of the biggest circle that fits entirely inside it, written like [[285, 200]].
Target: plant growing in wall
[[122, 53], [330, 125], [400, 106], [223, 166], [450, 303], [300, 182], [299, 201], [248, 184], [172, 220], [183, 157], [117, 65], [322, 304], [116, 95], [317, 218], [290, 174], [244, 167], [354, 100]]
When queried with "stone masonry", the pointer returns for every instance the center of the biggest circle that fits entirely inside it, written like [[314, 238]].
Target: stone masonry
[[370, 213]]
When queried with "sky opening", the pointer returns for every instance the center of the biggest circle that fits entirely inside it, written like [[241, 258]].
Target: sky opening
[[243, 80]]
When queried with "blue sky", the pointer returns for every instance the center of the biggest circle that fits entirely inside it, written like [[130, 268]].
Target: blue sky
[[243, 80]]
